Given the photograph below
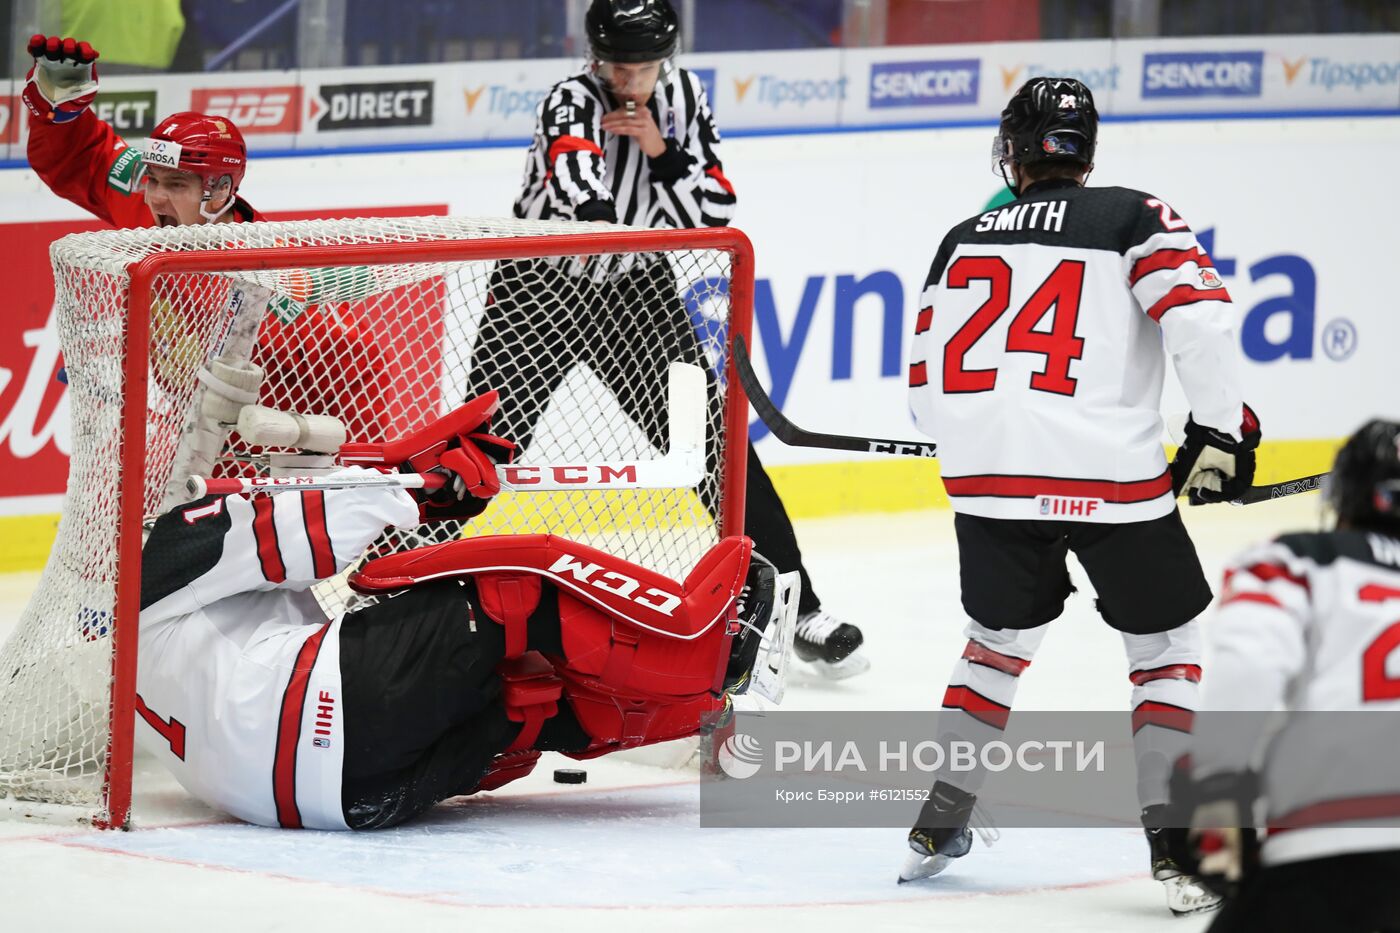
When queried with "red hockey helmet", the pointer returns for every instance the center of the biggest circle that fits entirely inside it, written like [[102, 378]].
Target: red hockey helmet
[[210, 147]]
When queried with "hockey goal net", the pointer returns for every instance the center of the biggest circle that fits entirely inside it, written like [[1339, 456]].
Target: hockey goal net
[[384, 324]]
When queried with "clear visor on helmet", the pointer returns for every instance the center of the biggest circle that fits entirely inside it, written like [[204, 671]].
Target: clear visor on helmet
[[636, 80], [1001, 154]]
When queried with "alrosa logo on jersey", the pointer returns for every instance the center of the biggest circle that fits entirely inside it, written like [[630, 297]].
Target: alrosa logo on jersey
[[777, 92], [1095, 79], [372, 106], [253, 109], [925, 84], [1202, 74], [618, 584]]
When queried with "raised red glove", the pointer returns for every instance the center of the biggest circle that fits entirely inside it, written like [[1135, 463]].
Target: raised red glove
[[63, 80]]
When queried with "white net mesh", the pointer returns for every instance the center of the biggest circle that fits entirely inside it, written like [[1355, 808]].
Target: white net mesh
[[578, 347]]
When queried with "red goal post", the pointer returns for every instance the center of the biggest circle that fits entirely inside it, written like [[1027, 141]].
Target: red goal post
[[417, 277]]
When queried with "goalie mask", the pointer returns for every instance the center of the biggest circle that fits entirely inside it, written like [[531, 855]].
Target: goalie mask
[[211, 148], [1048, 119], [1364, 486]]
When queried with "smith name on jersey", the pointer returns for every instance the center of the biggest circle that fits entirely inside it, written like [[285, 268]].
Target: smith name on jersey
[[1310, 623], [1037, 360]]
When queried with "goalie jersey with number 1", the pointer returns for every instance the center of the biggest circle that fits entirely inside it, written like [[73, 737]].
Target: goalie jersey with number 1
[[1037, 359]]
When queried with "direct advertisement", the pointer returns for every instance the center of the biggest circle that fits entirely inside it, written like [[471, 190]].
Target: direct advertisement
[[378, 105], [131, 113], [1202, 74]]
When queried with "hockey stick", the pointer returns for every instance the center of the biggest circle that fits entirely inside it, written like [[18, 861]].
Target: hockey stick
[[790, 434], [1278, 490], [682, 466]]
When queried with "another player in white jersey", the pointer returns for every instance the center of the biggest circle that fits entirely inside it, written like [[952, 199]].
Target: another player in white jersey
[[1037, 365], [1309, 623], [481, 654]]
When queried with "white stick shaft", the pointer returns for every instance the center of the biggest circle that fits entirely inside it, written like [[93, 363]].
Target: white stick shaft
[[200, 486]]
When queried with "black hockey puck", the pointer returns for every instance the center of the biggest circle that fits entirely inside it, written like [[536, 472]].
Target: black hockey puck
[[570, 776]]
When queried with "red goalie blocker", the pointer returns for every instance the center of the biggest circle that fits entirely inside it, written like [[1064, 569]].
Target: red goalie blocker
[[644, 656]]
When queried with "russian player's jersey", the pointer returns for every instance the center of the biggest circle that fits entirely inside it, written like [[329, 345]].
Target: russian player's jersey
[[1037, 360], [1311, 622], [86, 162], [238, 677]]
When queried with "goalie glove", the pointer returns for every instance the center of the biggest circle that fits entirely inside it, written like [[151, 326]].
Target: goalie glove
[[63, 80], [457, 445], [1211, 466]]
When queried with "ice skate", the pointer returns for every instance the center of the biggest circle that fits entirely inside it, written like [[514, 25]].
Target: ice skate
[[941, 835], [830, 646], [1185, 893]]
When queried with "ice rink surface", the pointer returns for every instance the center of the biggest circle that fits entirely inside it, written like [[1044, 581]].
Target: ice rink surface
[[625, 851]]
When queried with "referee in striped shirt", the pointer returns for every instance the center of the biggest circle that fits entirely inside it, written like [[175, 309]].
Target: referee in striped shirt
[[629, 140]]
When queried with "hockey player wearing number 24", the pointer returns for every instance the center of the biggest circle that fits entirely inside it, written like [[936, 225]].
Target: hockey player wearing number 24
[[478, 655], [632, 140], [1097, 281], [1305, 623]]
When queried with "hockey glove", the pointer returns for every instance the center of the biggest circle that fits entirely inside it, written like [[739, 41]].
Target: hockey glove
[[458, 446], [1220, 846], [1212, 466], [63, 81]]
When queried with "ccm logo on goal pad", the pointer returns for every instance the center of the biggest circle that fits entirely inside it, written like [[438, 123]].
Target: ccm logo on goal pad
[[618, 584], [1068, 506]]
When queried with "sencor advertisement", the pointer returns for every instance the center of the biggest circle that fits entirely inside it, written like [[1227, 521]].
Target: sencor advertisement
[[1202, 74]]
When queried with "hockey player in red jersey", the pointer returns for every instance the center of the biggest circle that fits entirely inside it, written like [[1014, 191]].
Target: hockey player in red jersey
[[479, 654], [188, 173], [1307, 623], [1037, 365]]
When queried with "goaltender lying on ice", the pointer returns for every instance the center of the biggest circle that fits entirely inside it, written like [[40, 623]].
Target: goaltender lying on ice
[[472, 657]]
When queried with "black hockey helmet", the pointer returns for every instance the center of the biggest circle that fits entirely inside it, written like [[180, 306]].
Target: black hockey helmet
[[632, 30], [1047, 119], [1364, 488]]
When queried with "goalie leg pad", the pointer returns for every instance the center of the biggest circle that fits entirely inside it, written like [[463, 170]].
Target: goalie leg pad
[[644, 658]]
